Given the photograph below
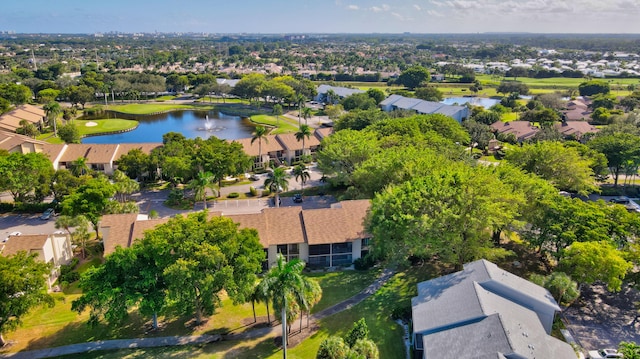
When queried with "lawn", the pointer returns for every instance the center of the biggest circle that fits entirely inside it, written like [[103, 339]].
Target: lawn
[[281, 124], [104, 126], [376, 310], [59, 325]]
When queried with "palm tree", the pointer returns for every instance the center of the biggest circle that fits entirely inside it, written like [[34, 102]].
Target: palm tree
[[200, 184], [79, 167], [300, 99], [306, 113], [285, 283], [277, 111], [277, 182], [303, 132], [301, 174], [67, 222], [259, 134], [52, 110], [330, 97]]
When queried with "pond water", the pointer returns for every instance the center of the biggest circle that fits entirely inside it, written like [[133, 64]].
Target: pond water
[[476, 101], [191, 124]]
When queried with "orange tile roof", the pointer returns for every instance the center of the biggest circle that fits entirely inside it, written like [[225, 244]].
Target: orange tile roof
[[25, 243], [139, 227], [256, 221], [343, 222], [290, 142], [116, 230], [270, 145], [53, 150]]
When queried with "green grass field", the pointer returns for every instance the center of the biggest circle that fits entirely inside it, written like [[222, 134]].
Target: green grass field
[[108, 125], [50, 327], [279, 125], [376, 310]]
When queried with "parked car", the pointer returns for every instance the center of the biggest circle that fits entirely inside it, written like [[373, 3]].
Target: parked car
[[604, 353], [47, 214], [620, 200], [254, 177], [297, 198]]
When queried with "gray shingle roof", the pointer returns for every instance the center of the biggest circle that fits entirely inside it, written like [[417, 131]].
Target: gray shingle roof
[[340, 91]]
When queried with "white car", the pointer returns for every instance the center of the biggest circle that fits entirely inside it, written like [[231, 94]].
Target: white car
[[10, 235], [604, 353]]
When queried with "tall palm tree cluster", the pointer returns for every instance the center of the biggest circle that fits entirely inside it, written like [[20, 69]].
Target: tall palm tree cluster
[[289, 292]]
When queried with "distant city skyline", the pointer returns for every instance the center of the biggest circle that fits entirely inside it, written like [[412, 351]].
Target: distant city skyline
[[338, 16]]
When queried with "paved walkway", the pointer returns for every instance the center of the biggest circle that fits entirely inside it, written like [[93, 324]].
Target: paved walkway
[[195, 339]]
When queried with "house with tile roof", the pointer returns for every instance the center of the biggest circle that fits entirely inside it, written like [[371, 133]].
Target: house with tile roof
[[575, 129], [291, 231], [484, 312], [397, 102], [10, 121], [283, 148], [54, 249], [13, 142], [522, 130]]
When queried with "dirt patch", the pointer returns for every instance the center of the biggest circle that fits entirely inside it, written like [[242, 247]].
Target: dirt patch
[[296, 336]]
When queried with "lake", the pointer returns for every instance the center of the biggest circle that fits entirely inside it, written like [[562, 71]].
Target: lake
[[191, 124], [476, 101]]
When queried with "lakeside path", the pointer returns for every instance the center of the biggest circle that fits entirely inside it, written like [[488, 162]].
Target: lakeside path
[[194, 339]]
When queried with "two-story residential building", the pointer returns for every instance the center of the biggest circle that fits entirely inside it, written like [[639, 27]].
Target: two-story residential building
[[54, 249], [325, 237]]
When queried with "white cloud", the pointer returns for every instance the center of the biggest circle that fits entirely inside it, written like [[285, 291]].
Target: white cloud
[[417, 7], [435, 13], [398, 16], [383, 7], [353, 7]]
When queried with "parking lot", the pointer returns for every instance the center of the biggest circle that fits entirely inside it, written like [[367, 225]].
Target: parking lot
[[25, 224], [601, 319]]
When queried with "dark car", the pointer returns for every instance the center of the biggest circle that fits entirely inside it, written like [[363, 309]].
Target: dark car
[[47, 214], [297, 198]]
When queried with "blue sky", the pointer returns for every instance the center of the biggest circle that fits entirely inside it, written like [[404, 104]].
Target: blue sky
[[328, 16]]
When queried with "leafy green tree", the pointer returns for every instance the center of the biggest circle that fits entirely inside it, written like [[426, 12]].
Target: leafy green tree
[[359, 119], [124, 186], [590, 88], [630, 350], [69, 133], [333, 111], [135, 163], [68, 222], [359, 331], [90, 200], [620, 150], [277, 111], [259, 134], [22, 287], [250, 86], [301, 174], [285, 284], [603, 101], [63, 183], [513, 87], [376, 94], [562, 287], [592, 261], [413, 77], [26, 176], [200, 184], [486, 117], [27, 129], [15, 94], [333, 348], [562, 166], [480, 134], [220, 157], [429, 93], [277, 182], [447, 214], [360, 101], [48, 95], [341, 153]]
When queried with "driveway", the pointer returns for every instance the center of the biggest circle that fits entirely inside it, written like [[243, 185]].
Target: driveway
[[601, 319], [25, 224]]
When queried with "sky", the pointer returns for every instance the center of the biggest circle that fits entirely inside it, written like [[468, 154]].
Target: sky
[[320, 16]]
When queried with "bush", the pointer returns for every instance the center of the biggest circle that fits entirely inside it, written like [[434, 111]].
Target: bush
[[253, 191], [402, 312], [364, 263], [233, 195], [265, 193]]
